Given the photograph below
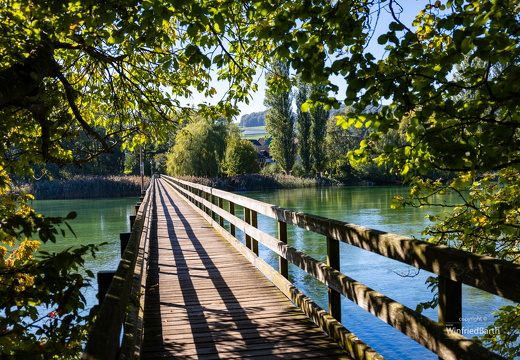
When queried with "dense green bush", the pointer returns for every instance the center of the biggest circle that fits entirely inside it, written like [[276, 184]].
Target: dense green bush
[[240, 158]]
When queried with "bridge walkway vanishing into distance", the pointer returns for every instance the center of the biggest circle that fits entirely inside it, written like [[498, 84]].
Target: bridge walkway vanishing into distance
[[203, 298], [187, 288]]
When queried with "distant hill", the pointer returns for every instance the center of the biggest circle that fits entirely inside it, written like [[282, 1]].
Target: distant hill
[[253, 119], [258, 118]]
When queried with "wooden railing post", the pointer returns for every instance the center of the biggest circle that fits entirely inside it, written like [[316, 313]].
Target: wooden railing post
[[232, 212], [333, 260], [282, 236], [213, 214], [220, 205], [254, 222], [197, 192], [247, 219], [190, 194], [104, 279], [124, 238], [450, 303], [206, 197]]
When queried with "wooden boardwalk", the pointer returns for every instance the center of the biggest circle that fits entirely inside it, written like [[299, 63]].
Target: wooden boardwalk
[[206, 301]]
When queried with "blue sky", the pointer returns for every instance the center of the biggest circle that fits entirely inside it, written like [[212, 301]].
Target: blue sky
[[410, 8]]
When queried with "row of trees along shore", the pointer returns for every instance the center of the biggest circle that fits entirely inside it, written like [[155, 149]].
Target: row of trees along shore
[[307, 143], [81, 79], [310, 142]]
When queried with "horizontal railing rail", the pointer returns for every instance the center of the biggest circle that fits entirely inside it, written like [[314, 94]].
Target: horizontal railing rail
[[454, 268], [118, 327]]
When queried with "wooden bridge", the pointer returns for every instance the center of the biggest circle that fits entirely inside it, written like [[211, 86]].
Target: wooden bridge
[[187, 288]]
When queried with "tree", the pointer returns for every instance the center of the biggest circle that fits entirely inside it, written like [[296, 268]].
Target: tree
[[159, 163], [199, 149], [319, 116], [241, 158], [279, 118], [52, 282], [338, 142], [303, 126], [481, 129]]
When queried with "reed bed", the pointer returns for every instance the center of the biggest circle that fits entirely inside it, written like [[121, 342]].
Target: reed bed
[[259, 182], [83, 187]]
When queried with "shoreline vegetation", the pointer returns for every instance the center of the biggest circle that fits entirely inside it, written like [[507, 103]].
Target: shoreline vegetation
[[85, 187], [88, 187], [257, 181]]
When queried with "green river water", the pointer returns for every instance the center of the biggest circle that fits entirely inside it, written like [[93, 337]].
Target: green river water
[[101, 220], [98, 221]]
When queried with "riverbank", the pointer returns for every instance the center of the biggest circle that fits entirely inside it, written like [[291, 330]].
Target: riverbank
[[86, 187], [260, 182]]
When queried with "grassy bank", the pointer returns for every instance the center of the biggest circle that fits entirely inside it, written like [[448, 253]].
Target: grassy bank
[[83, 187], [259, 182]]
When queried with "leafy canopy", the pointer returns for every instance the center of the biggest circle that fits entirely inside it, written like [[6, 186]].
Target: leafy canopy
[[78, 67], [240, 157]]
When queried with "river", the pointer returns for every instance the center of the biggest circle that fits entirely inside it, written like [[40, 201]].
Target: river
[[98, 221], [370, 207], [101, 220]]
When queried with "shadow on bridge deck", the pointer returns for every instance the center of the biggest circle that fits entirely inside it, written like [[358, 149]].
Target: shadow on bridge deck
[[205, 301]]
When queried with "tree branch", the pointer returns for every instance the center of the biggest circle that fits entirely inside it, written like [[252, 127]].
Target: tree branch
[[394, 16], [69, 92]]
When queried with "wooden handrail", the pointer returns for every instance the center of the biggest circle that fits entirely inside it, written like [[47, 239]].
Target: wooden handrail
[[495, 276], [486, 273], [105, 338]]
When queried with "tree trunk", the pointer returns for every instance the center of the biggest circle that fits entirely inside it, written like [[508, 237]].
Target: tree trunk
[[23, 79]]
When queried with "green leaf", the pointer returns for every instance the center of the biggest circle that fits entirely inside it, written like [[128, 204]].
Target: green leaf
[[466, 45], [193, 30], [394, 26], [382, 39]]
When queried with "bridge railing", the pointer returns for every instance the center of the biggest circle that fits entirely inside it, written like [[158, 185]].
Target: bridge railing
[[453, 267], [117, 330]]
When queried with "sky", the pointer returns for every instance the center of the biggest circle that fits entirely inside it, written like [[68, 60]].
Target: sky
[[409, 10]]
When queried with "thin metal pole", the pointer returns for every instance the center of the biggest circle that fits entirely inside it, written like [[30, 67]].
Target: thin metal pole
[[141, 166]]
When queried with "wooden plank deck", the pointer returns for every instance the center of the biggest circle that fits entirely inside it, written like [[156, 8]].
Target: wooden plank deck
[[206, 301]]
